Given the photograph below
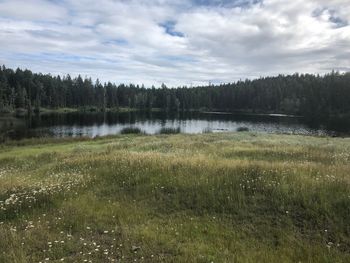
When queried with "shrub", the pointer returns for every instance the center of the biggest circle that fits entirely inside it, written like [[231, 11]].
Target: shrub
[[242, 129], [169, 130], [131, 130]]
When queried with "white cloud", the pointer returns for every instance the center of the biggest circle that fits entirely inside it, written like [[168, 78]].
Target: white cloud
[[124, 41], [32, 10]]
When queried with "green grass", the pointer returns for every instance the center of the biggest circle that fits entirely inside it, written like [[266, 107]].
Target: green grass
[[227, 197]]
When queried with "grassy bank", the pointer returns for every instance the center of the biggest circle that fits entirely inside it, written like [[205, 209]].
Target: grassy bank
[[23, 112], [235, 197]]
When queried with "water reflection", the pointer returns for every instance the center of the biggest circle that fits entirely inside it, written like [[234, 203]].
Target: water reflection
[[101, 124]]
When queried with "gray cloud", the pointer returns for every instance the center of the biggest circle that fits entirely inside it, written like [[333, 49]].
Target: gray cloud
[[176, 42]]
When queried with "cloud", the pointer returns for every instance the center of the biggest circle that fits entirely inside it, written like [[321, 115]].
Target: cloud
[[32, 10], [177, 42]]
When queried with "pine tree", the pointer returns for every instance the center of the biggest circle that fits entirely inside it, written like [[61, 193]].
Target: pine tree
[[20, 99]]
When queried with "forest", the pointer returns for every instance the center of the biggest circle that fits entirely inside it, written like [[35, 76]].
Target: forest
[[299, 94]]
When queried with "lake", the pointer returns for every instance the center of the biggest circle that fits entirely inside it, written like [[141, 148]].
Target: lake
[[100, 124]]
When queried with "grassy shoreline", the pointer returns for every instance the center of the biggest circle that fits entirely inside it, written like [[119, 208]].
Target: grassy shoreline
[[228, 197], [23, 112]]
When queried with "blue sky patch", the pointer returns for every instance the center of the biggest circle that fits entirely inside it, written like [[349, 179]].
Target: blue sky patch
[[169, 27], [338, 21], [227, 3]]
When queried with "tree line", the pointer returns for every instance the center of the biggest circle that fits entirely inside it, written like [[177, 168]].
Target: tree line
[[301, 94]]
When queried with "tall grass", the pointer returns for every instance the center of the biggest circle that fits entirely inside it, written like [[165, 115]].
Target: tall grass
[[230, 197]]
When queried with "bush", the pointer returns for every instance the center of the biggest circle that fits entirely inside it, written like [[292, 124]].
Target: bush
[[131, 130], [168, 130], [242, 129], [5, 109]]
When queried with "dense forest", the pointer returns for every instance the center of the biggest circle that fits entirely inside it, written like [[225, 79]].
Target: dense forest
[[301, 94]]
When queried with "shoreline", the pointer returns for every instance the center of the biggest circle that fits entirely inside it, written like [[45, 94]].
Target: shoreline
[[253, 114]]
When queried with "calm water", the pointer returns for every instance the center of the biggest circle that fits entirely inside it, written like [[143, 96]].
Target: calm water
[[100, 124]]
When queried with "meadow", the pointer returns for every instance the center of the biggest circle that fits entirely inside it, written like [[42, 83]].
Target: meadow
[[223, 197]]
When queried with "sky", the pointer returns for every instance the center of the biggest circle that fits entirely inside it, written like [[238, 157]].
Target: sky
[[176, 42]]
